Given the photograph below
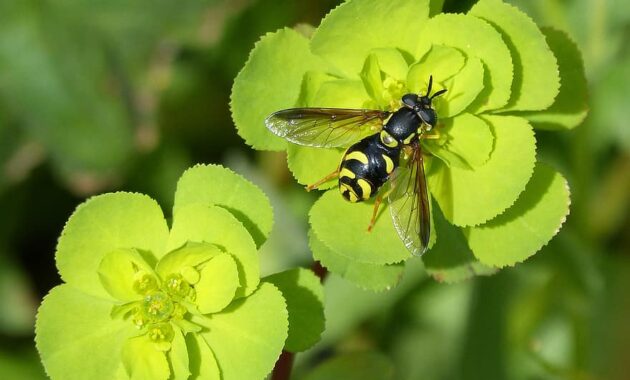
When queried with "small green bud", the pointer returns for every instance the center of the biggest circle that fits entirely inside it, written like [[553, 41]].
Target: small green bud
[[144, 283], [161, 332], [179, 311], [176, 285]]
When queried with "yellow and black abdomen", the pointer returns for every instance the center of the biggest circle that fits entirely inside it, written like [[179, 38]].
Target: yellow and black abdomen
[[365, 167]]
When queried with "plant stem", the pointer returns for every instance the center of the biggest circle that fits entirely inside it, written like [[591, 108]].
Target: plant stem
[[282, 370]]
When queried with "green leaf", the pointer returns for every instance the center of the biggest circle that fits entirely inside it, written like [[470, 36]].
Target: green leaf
[[344, 39], [571, 105], [270, 81], [371, 77], [441, 62], [528, 225], [342, 227], [178, 357], [70, 324], [354, 366], [303, 292], [476, 38], [367, 276], [189, 255], [467, 142], [473, 196], [203, 363], [118, 270], [105, 223], [450, 260], [215, 225], [247, 337], [216, 185], [309, 165], [311, 82], [143, 360], [536, 80], [217, 284], [340, 93]]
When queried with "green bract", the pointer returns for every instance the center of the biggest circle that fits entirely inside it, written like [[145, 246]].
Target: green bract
[[142, 301], [493, 204]]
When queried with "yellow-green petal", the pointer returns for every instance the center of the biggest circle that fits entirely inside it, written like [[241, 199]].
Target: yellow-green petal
[[476, 38], [188, 256], [473, 196], [367, 276], [126, 275], [216, 185], [70, 324], [217, 284], [528, 225], [536, 79], [466, 142], [247, 337], [342, 226], [270, 81], [105, 223], [203, 363], [215, 225], [143, 360], [349, 32]]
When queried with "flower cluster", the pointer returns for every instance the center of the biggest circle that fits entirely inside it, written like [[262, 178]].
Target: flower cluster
[[143, 301], [493, 203]]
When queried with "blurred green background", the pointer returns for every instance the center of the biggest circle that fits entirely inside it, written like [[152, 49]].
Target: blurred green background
[[118, 95]]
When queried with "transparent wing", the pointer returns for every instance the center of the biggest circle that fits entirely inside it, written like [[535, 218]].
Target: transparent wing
[[325, 127], [409, 203]]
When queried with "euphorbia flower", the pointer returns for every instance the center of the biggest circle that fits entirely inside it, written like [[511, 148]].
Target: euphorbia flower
[[494, 204], [143, 301]]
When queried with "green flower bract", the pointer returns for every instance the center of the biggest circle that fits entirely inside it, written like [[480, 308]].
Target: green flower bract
[[142, 301]]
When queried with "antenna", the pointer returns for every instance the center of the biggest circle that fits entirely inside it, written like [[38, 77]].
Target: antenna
[[430, 84], [438, 94]]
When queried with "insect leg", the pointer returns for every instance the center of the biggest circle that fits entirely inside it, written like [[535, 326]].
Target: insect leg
[[321, 181], [377, 204]]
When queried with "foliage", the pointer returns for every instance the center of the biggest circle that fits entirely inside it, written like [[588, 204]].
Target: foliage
[[186, 303], [504, 77], [166, 69]]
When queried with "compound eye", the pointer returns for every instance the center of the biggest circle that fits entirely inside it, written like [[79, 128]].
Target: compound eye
[[388, 140]]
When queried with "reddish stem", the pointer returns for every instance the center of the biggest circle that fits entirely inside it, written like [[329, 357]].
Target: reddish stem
[[284, 365]]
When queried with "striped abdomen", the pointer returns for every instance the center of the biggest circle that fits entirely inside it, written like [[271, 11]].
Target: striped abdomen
[[365, 167]]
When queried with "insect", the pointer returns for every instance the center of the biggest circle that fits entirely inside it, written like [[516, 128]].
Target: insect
[[376, 141]]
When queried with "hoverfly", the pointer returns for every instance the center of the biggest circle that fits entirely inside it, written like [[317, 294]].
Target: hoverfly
[[375, 142]]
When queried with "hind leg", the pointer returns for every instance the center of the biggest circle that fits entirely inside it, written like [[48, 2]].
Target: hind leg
[[323, 180]]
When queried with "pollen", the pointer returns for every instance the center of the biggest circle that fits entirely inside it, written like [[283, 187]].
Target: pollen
[[157, 307]]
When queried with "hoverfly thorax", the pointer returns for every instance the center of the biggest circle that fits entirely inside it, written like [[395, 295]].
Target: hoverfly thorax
[[422, 107]]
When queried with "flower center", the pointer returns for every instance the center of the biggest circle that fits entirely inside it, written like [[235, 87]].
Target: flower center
[[157, 306], [163, 302], [161, 332]]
